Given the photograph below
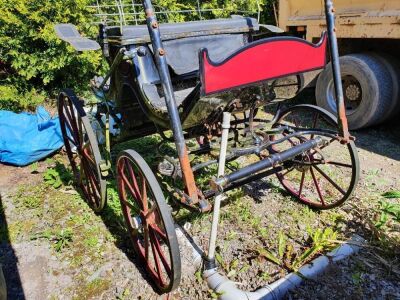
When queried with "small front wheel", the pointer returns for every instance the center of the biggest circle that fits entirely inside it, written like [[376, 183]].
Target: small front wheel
[[148, 220]]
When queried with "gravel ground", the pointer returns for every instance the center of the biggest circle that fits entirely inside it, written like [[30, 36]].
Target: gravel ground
[[97, 262]]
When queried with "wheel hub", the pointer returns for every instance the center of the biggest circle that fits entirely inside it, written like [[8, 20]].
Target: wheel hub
[[137, 222], [353, 92]]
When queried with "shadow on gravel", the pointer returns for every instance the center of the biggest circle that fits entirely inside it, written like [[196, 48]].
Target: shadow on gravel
[[116, 226], [9, 261], [383, 139]]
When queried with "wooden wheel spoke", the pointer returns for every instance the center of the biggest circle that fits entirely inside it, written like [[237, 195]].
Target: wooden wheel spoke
[[91, 177], [157, 246], [336, 163], [303, 175], [130, 205], [316, 115], [134, 181], [287, 172], [71, 134], [146, 240], [330, 180], [71, 119], [131, 189], [317, 186], [289, 140], [157, 261], [161, 234], [87, 155], [144, 193], [87, 188]]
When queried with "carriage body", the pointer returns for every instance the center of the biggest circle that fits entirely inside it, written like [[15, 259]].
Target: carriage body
[[137, 87], [183, 77]]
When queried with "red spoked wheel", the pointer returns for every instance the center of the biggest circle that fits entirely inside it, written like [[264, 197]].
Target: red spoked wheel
[[82, 149], [148, 220], [324, 177]]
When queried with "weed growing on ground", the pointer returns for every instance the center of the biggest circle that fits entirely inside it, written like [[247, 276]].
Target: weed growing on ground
[[321, 241], [62, 238]]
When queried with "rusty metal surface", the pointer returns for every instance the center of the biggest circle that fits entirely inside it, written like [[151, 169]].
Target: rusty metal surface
[[354, 19]]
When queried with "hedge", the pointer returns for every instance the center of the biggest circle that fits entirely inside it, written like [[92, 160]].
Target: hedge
[[35, 64]]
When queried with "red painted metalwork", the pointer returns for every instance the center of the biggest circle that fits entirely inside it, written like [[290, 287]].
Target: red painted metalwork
[[263, 60]]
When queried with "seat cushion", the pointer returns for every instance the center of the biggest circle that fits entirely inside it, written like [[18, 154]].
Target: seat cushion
[[183, 54], [170, 31]]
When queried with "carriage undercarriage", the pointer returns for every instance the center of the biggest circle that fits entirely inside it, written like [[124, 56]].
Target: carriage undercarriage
[[220, 102]]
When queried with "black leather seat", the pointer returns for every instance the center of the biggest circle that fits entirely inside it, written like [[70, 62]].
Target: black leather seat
[[169, 31]]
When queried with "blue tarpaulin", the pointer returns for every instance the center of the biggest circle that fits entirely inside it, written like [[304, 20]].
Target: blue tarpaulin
[[26, 138]]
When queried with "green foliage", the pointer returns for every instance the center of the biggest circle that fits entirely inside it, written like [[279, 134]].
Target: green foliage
[[32, 57], [388, 211], [35, 63], [13, 99], [321, 240], [57, 176], [51, 177], [392, 195]]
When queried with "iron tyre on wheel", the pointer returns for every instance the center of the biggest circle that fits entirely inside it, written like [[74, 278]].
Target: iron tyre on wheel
[[324, 177], [148, 220], [82, 149]]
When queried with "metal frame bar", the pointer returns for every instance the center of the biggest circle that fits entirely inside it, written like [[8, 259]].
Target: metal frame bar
[[334, 53], [173, 113], [270, 161], [127, 13]]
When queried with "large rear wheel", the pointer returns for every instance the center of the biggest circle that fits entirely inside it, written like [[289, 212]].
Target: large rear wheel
[[82, 149], [148, 220], [324, 177]]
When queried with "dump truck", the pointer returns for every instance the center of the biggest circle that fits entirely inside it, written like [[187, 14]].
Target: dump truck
[[368, 33]]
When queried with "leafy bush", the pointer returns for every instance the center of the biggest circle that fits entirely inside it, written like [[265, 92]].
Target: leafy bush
[[33, 58], [12, 99], [34, 63]]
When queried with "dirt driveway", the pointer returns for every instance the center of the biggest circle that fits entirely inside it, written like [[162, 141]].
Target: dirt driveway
[[54, 247]]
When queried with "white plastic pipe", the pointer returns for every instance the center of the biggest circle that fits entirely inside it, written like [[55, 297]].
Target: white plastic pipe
[[228, 290], [226, 125]]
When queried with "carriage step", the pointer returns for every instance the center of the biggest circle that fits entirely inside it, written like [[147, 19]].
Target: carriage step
[[69, 34], [158, 102]]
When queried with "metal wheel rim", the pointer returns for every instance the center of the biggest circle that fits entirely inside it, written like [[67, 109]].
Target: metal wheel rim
[[297, 191], [151, 229], [73, 119]]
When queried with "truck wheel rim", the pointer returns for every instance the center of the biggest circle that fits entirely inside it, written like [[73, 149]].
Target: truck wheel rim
[[352, 92]]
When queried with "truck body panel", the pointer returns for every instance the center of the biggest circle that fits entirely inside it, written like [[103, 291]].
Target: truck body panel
[[378, 19]]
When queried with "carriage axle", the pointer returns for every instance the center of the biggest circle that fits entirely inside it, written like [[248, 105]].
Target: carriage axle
[[268, 162]]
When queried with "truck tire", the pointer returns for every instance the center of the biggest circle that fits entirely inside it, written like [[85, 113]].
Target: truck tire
[[393, 66], [367, 87]]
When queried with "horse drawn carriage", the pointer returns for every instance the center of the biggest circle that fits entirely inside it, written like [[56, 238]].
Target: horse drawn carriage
[[205, 80]]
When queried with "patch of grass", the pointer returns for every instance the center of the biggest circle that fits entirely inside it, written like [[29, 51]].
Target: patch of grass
[[91, 242], [93, 289], [34, 167], [13, 232], [31, 202]]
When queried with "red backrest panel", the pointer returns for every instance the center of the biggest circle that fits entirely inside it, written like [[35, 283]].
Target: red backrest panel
[[260, 61]]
